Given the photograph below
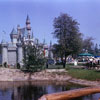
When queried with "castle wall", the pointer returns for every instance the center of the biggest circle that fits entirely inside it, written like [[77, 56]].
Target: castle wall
[[12, 56], [4, 54], [14, 41], [20, 53]]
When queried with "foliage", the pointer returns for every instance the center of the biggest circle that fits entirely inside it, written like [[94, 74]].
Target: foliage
[[96, 50], [33, 57], [66, 30], [57, 50], [84, 74], [18, 65], [88, 45], [5, 64]]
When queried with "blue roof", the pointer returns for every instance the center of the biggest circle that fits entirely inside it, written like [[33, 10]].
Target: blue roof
[[13, 31], [3, 41], [24, 32], [85, 54]]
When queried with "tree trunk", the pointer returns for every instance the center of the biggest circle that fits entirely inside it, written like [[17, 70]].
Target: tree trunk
[[72, 94], [64, 61]]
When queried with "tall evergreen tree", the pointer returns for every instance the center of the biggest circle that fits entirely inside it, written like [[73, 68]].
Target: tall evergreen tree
[[33, 57]]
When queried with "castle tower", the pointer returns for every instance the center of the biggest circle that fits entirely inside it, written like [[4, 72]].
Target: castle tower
[[28, 27], [4, 52], [18, 29], [20, 53], [19, 33], [14, 37]]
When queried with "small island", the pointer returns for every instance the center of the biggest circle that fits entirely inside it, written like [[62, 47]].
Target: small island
[[49, 50]]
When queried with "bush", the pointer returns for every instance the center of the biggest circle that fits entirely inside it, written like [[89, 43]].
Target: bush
[[0, 65], [5, 64], [18, 65]]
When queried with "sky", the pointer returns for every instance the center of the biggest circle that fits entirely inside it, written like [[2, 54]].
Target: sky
[[42, 14]]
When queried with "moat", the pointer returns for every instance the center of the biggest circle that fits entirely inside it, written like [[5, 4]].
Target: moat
[[34, 90]]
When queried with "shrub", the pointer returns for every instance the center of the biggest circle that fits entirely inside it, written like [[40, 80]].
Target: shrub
[[5, 64], [18, 65]]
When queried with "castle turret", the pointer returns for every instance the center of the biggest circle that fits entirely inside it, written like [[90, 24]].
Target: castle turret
[[4, 52], [20, 53], [14, 37], [28, 27], [18, 29]]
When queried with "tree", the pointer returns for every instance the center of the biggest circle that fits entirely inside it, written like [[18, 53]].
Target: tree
[[58, 51], [33, 57], [88, 45], [66, 30], [96, 50]]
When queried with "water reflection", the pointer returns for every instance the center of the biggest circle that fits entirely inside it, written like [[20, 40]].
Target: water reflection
[[34, 90]]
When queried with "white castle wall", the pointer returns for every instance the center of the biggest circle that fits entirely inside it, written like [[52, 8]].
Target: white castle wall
[[20, 54], [12, 55], [14, 41], [4, 54]]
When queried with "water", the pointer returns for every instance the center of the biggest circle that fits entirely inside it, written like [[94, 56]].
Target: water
[[34, 90]]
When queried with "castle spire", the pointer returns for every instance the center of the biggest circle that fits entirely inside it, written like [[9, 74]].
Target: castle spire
[[27, 19], [44, 41], [50, 43], [28, 27]]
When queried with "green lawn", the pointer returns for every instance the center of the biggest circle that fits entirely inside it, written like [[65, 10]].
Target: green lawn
[[55, 66], [79, 73], [84, 74]]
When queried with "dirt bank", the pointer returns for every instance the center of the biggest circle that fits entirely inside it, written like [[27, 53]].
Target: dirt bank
[[60, 75]]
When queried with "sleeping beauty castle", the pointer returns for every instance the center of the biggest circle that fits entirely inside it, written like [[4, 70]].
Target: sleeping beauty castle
[[12, 52]]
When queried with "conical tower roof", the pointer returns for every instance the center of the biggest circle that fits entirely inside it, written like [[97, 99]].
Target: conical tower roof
[[3, 41], [13, 31], [27, 20]]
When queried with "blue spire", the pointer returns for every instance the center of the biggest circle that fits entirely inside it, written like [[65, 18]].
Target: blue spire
[[27, 17]]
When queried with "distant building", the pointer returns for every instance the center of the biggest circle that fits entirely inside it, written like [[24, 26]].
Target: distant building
[[12, 52]]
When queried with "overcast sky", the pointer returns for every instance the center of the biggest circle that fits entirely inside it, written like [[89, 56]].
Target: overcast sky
[[43, 12]]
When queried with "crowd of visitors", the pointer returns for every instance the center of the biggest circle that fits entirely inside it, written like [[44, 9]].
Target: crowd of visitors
[[93, 62]]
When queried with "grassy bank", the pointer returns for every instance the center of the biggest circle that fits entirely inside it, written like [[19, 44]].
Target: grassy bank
[[79, 73], [92, 75]]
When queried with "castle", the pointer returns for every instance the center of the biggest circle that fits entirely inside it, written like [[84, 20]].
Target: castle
[[12, 52]]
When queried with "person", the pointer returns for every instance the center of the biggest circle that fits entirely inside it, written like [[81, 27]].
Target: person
[[94, 63], [75, 62], [91, 62]]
